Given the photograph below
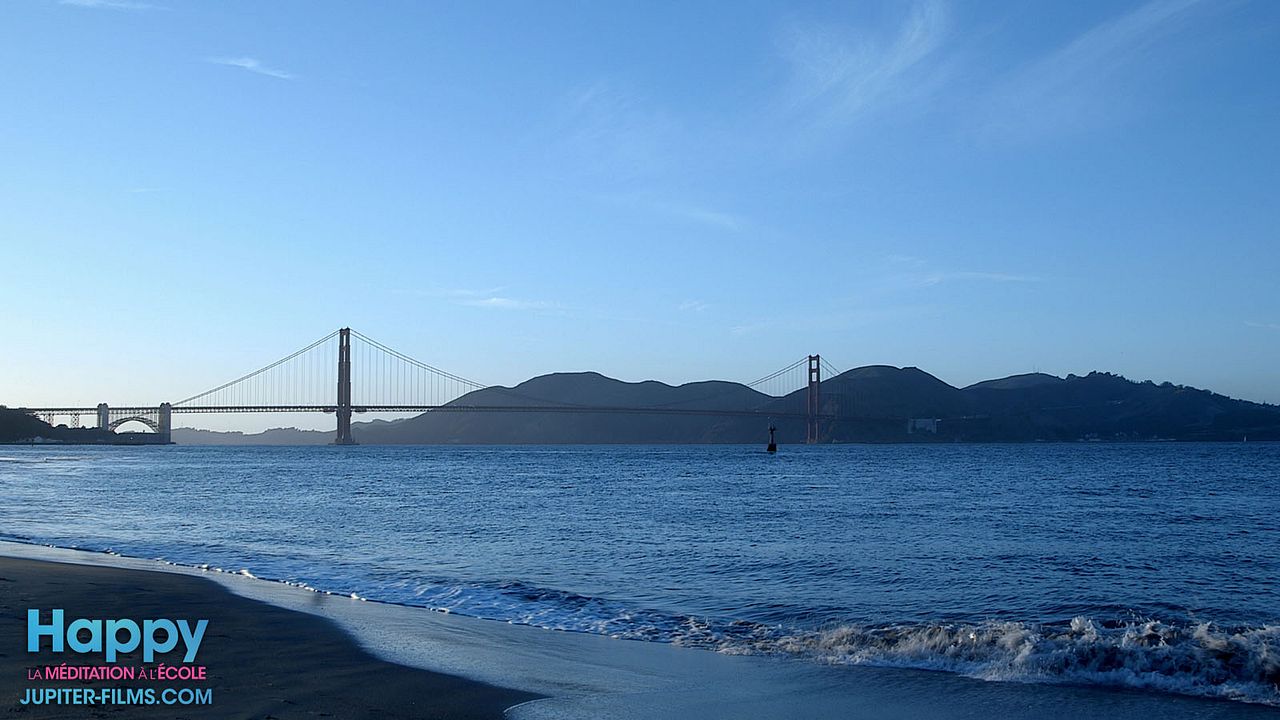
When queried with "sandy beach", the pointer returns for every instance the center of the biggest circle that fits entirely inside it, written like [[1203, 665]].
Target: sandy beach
[[263, 661]]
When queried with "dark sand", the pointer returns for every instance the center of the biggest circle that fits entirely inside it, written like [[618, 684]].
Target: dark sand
[[263, 661]]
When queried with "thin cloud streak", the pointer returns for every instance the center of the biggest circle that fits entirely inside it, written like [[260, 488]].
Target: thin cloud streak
[[491, 298], [913, 271], [990, 277], [609, 134], [253, 65], [901, 271], [1082, 85], [645, 201], [938, 278], [840, 78], [754, 327], [108, 4], [505, 303], [705, 216]]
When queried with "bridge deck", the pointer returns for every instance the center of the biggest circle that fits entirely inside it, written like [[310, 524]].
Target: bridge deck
[[607, 409]]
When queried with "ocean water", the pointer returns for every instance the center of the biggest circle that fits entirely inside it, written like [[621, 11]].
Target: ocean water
[[1153, 566]]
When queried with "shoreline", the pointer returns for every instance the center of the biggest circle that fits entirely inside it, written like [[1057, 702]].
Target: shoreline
[[565, 675], [1078, 441], [261, 660]]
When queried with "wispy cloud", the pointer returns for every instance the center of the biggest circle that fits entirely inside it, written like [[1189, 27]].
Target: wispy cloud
[[608, 133], [460, 293], [753, 328], [108, 4], [682, 210], [840, 77], [905, 260], [492, 298], [1092, 80], [913, 271], [704, 216], [505, 303], [253, 65], [900, 271], [695, 306], [938, 278], [1265, 326]]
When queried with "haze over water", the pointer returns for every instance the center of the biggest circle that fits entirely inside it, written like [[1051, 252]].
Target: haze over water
[[1145, 565]]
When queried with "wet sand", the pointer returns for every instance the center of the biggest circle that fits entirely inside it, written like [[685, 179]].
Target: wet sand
[[263, 661]]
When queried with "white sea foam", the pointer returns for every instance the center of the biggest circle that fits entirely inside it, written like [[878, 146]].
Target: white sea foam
[[1200, 659]]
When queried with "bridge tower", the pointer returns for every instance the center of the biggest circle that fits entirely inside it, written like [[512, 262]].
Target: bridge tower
[[814, 399], [104, 417], [344, 389]]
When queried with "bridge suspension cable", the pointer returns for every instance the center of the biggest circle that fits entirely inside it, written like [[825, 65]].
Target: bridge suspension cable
[[829, 371], [385, 377], [784, 381], [306, 380], [268, 385], [778, 373]]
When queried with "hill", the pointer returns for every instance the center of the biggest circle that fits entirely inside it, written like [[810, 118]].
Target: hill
[[1105, 406], [274, 436], [1017, 382], [574, 391]]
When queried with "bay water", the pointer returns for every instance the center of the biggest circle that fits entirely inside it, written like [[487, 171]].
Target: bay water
[[1153, 566]]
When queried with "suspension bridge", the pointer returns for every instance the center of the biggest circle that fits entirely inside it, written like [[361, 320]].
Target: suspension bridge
[[346, 373]]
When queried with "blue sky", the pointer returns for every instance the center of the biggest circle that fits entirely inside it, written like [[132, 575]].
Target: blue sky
[[664, 190]]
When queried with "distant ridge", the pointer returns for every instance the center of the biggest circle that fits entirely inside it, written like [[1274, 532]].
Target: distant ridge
[[274, 436], [883, 391], [875, 403], [578, 390], [1017, 382]]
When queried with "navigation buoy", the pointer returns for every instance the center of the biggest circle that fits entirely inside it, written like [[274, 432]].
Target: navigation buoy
[[773, 446]]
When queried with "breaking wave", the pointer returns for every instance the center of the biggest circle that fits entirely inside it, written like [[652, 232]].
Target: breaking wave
[[1193, 658]]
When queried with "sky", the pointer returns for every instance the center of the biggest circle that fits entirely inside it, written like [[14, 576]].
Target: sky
[[653, 190]]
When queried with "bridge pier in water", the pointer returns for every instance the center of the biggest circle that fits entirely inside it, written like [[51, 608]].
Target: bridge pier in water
[[165, 423]]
